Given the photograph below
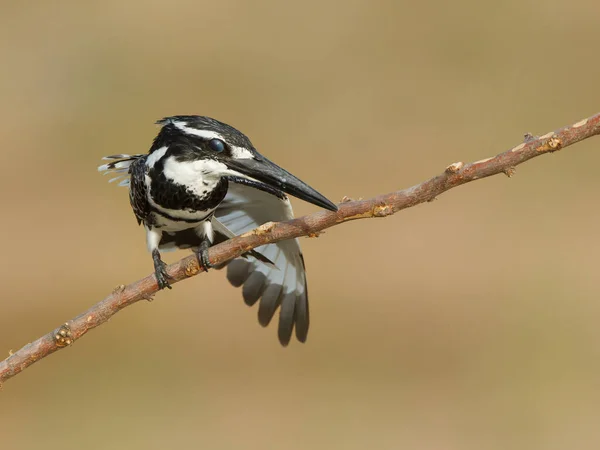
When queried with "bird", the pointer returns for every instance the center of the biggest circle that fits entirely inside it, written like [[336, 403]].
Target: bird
[[203, 182]]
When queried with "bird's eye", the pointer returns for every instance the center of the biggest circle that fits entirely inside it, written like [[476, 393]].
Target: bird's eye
[[216, 145]]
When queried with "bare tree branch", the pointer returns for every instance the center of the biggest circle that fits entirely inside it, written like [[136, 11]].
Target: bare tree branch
[[310, 225]]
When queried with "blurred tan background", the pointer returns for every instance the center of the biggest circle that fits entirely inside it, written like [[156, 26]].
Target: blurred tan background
[[467, 323]]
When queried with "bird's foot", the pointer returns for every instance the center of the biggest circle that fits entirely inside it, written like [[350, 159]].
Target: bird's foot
[[160, 271], [202, 255]]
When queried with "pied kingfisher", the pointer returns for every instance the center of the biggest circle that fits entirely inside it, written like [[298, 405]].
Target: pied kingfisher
[[203, 182]]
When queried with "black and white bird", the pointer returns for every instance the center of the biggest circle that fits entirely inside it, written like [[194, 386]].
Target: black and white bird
[[203, 182]]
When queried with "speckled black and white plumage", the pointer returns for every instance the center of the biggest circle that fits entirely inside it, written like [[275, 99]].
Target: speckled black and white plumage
[[203, 182]]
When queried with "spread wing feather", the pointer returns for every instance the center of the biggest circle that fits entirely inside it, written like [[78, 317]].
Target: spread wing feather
[[281, 285]]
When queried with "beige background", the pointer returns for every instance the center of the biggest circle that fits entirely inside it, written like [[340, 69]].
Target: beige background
[[467, 323]]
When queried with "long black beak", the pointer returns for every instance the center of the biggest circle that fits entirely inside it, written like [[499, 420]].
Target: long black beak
[[265, 171]]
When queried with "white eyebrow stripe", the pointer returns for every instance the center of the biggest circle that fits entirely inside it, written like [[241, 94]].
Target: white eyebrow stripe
[[241, 152], [155, 156], [206, 134]]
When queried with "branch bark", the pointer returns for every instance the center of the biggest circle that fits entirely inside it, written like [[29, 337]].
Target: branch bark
[[381, 206]]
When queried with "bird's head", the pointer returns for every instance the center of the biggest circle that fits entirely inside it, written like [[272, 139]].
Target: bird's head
[[216, 149]]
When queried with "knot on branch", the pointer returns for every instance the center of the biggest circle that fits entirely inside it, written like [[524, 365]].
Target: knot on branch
[[63, 335], [510, 171], [553, 144], [118, 289], [382, 210], [263, 229], [455, 167], [191, 268]]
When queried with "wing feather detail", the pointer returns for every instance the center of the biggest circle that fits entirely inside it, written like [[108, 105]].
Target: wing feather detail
[[280, 286]]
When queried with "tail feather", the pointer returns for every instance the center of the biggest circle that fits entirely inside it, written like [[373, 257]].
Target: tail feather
[[119, 166], [119, 156]]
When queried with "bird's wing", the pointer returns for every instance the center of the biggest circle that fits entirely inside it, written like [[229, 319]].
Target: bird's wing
[[282, 285]]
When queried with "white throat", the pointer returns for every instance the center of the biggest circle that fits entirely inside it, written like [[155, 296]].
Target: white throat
[[200, 177]]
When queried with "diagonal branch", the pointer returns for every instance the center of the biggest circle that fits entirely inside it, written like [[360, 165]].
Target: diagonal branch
[[381, 206]]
